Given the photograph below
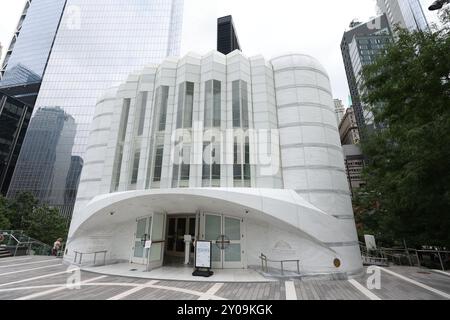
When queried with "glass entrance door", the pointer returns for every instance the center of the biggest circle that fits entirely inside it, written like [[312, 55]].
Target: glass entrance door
[[156, 254], [142, 234], [178, 227], [149, 228], [226, 234]]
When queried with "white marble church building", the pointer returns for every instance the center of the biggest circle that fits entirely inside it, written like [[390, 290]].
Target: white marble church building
[[243, 152]]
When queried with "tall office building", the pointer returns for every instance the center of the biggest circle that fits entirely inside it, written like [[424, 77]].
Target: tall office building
[[407, 14], [21, 75], [339, 109], [97, 45], [14, 118], [227, 39], [360, 46]]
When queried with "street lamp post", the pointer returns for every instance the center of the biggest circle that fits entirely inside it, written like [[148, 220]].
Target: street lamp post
[[438, 4]]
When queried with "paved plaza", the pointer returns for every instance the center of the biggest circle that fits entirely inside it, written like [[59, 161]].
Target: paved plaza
[[46, 278]]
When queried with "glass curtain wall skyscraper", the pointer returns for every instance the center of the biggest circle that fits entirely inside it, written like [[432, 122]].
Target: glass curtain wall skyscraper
[[97, 45], [407, 14], [360, 46], [21, 75]]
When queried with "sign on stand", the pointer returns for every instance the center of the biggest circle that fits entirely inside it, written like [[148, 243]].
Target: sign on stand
[[203, 259]]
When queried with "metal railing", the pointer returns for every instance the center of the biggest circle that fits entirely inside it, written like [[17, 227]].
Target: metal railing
[[17, 242], [80, 255], [265, 260], [402, 256]]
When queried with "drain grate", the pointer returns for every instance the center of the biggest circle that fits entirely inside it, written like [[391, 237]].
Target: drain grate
[[423, 272]]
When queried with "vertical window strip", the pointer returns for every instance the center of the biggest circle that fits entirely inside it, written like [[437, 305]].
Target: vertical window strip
[[181, 93], [135, 171], [163, 100], [217, 100], [144, 97], [122, 134], [208, 104], [188, 105], [236, 104], [244, 104], [157, 170]]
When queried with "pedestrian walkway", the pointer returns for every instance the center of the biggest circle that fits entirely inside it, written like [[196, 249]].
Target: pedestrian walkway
[[46, 278]]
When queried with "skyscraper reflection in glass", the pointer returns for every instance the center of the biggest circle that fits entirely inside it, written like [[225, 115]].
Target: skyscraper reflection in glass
[[97, 45]]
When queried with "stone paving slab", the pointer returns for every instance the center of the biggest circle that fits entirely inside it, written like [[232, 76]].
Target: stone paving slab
[[86, 293], [195, 286], [159, 294], [393, 287], [427, 277]]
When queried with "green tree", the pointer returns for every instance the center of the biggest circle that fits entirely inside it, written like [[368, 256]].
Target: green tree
[[19, 209], [4, 221], [46, 224], [408, 174], [37, 221]]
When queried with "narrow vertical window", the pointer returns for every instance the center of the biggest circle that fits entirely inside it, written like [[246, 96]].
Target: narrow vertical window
[[181, 90], [244, 104], [208, 104], [237, 163], [124, 119], [236, 105], [217, 113], [122, 134], [135, 171], [206, 169], [247, 174], [144, 98], [163, 101], [157, 170], [185, 110], [188, 105]]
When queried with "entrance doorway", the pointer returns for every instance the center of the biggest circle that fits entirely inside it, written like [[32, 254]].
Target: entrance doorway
[[177, 227], [226, 234], [150, 231]]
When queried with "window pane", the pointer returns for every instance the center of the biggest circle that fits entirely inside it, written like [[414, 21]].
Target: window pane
[[137, 158], [236, 105], [164, 98], [181, 93], [244, 94], [144, 98], [124, 119], [208, 104], [189, 105], [217, 103], [233, 253], [158, 164]]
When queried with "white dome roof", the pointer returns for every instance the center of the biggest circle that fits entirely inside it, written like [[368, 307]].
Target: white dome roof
[[297, 60]]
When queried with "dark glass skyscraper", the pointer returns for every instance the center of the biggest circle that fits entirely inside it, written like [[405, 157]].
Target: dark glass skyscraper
[[98, 44], [14, 118], [360, 46], [227, 39], [21, 76]]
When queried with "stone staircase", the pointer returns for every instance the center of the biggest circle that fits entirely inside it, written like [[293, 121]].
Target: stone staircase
[[4, 253]]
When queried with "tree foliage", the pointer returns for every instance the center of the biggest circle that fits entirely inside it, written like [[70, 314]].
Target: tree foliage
[[407, 195], [38, 221]]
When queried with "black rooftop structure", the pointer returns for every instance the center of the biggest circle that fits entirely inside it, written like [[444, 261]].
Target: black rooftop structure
[[227, 39]]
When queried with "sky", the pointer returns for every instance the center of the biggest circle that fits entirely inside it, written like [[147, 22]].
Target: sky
[[266, 27]]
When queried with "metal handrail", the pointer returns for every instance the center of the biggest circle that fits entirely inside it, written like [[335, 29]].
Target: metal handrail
[[81, 254], [30, 241], [264, 260], [406, 252]]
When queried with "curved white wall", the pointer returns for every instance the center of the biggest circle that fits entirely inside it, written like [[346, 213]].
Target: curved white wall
[[311, 152], [290, 96]]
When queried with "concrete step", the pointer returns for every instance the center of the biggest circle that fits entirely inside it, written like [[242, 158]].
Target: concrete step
[[4, 253]]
